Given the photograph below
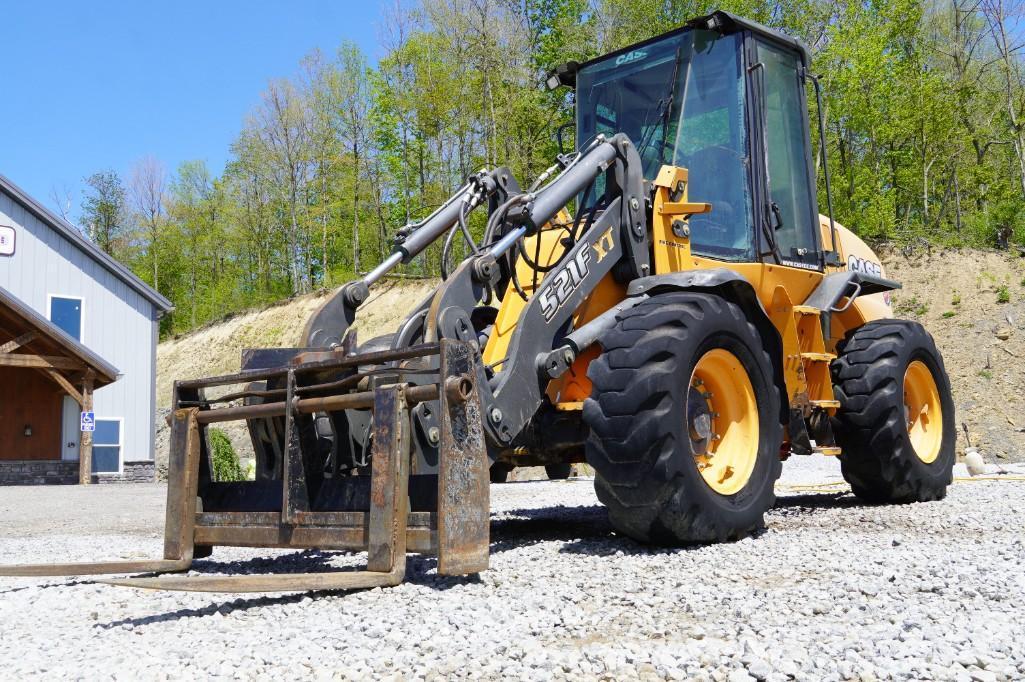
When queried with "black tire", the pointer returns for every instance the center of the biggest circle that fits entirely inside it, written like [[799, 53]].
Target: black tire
[[878, 458], [558, 472], [639, 443], [499, 472]]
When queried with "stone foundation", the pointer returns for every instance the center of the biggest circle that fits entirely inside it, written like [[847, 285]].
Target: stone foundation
[[38, 472], [131, 472], [62, 472]]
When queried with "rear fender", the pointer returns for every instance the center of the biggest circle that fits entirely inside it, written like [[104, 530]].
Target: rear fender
[[736, 289]]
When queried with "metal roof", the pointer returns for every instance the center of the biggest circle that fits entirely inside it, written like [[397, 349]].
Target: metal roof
[[14, 311], [723, 22], [73, 235]]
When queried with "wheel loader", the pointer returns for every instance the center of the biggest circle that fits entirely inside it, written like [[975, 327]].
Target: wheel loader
[[665, 303]]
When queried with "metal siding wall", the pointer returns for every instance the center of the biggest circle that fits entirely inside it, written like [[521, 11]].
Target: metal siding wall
[[118, 323]]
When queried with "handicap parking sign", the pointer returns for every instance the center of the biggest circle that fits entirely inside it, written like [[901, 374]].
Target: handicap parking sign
[[88, 421]]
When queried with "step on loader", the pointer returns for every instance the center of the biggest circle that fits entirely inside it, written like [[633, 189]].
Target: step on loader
[[681, 348]]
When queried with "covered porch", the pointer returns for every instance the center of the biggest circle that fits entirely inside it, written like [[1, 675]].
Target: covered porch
[[39, 366]]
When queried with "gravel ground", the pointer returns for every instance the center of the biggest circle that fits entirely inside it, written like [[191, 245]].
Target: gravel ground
[[832, 590]]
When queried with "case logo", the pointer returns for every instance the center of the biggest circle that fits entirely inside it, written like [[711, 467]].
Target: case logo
[[631, 57], [866, 267]]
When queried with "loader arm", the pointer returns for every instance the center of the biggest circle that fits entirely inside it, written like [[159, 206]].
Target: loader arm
[[617, 240], [328, 325]]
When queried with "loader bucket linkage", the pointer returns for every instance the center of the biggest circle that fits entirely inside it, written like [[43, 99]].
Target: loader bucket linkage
[[205, 513]]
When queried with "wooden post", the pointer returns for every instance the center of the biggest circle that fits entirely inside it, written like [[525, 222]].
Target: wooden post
[[85, 441]]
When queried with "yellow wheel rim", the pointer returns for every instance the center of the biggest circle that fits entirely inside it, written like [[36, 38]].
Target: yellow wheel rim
[[922, 411], [732, 448]]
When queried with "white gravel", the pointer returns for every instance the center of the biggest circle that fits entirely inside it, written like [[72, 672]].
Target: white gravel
[[833, 590]]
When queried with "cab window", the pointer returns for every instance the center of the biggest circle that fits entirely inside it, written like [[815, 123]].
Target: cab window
[[786, 144]]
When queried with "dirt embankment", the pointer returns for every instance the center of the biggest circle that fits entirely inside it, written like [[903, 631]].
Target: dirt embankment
[[217, 347], [972, 301]]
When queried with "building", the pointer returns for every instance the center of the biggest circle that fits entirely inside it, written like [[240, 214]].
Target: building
[[77, 331]]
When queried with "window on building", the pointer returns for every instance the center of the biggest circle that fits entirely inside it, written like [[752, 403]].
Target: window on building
[[107, 446], [66, 313]]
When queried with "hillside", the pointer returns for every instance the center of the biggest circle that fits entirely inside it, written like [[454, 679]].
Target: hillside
[[957, 294], [217, 348]]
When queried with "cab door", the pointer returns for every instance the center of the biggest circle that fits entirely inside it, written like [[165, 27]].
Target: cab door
[[790, 173]]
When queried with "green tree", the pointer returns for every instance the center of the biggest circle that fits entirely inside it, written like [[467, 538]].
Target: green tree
[[103, 212]]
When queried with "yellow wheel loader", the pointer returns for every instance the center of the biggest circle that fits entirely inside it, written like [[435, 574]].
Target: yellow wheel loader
[[665, 303]]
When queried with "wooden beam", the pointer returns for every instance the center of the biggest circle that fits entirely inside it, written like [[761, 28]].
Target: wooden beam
[[14, 344], [85, 442], [40, 361], [65, 384]]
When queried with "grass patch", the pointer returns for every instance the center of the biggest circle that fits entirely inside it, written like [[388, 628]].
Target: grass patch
[[985, 374], [225, 459], [1003, 294], [911, 306], [949, 314]]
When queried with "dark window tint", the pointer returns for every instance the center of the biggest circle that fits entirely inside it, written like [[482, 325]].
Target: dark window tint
[[711, 144], [66, 313], [789, 185], [681, 101]]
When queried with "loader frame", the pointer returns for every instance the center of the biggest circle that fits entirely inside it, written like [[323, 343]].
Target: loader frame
[[440, 416]]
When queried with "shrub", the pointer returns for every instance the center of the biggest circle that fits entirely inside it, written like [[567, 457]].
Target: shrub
[[911, 306], [1003, 294], [225, 459]]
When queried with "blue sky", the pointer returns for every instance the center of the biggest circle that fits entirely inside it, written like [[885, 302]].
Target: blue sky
[[94, 85]]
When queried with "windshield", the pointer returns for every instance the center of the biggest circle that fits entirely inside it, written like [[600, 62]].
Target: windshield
[[681, 102]]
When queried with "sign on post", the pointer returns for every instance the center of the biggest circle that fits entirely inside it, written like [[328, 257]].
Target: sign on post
[[7, 238], [88, 421]]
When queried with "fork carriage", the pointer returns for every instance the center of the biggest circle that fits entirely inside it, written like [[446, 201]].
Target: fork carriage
[[384, 510]]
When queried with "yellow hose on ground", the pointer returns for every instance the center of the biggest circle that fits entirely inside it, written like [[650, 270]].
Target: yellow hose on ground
[[832, 486]]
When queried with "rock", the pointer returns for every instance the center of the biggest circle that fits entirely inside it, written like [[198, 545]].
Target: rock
[[759, 668], [1003, 333], [974, 462], [980, 675]]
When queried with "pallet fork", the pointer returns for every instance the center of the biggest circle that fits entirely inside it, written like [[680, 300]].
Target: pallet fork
[[202, 513]]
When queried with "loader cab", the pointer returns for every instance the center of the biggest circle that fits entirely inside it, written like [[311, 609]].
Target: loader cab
[[724, 98]]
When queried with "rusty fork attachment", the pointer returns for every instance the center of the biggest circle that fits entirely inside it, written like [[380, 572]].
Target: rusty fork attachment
[[305, 509]]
